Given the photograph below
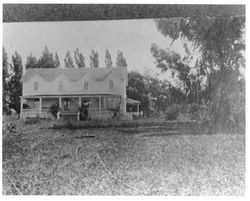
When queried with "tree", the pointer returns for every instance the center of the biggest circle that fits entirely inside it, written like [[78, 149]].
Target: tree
[[56, 61], [31, 62], [120, 59], [5, 77], [68, 61], [14, 84], [168, 60], [137, 89], [108, 59], [79, 59], [220, 43], [94, 61], [46, 60]]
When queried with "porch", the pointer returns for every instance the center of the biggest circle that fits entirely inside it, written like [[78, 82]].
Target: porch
[[96, 106]]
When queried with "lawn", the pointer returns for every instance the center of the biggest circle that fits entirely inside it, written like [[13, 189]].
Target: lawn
[[121, 161]]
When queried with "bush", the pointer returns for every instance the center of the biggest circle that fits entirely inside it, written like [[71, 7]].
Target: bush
[[84, 113], [54, 109], [9, 128], [172, 112], [29, 121]]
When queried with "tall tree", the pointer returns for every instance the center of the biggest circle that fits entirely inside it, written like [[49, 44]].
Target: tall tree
[[79, 59], [5, 77], [57, 60], [220, 42], [120, 59], [46, 60], [108, 59], [94, 59], [14, 84], [168, 60], [31, 62], [68, 61], [138, 89]]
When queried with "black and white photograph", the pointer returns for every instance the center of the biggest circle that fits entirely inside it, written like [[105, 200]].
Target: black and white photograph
[[123, 99]]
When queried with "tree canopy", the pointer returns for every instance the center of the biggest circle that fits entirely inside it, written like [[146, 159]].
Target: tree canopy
[[14, 84], [94, 59], [46, 60], [219, 45], [68, 61], [120, 59], [108, 59], [138, 89], [79, 59]]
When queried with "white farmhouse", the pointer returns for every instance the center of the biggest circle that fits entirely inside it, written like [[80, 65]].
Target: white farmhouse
[[100, 90]]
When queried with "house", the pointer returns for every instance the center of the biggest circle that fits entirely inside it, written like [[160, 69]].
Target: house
[[101, 91]]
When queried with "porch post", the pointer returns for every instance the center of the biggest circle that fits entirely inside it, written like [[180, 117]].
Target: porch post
[[40, 108], [60, 101], [80, 102], [100, 104], [137, 107], [60, 106], [21, 109]]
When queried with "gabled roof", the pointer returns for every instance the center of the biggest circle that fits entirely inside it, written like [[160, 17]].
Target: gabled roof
[[74, 74]]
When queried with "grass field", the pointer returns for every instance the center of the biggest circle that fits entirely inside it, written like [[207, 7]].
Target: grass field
[[121, 161]]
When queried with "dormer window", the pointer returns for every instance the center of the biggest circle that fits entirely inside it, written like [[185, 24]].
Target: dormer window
[[60, 85], [86, 85], [35, 86], [111, 84]]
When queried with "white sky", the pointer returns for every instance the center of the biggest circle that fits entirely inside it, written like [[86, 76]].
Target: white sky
[[132, 37]]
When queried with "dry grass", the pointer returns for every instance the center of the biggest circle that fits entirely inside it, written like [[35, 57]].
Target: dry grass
[[143, 161]]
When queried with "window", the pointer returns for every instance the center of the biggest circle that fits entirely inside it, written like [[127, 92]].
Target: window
[[86, 85], [111, 84], [60, 85], [35, 86]]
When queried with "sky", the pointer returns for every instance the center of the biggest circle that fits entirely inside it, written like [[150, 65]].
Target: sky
[[133, 37]]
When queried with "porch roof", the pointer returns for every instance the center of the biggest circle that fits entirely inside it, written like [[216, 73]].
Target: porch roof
[[132, 101], [68, 95]]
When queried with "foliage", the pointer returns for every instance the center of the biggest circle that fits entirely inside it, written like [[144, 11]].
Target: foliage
[[172, 112], [120, 59], [84, 113], [4, 82], [138, 89], [31, 62], [14, 83], [54, 109], [45, 61], [159, 92], [30, 121], [9, 128], [56, 61], [68, 61], [179, 67], [94, 59], [108, 59], [79, 59], [220, 44]]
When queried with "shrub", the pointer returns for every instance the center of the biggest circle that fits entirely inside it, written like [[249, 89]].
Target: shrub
[[194, 111], [9, 128], [54, 109], [84, 113], [172, 112], [29, 121]]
